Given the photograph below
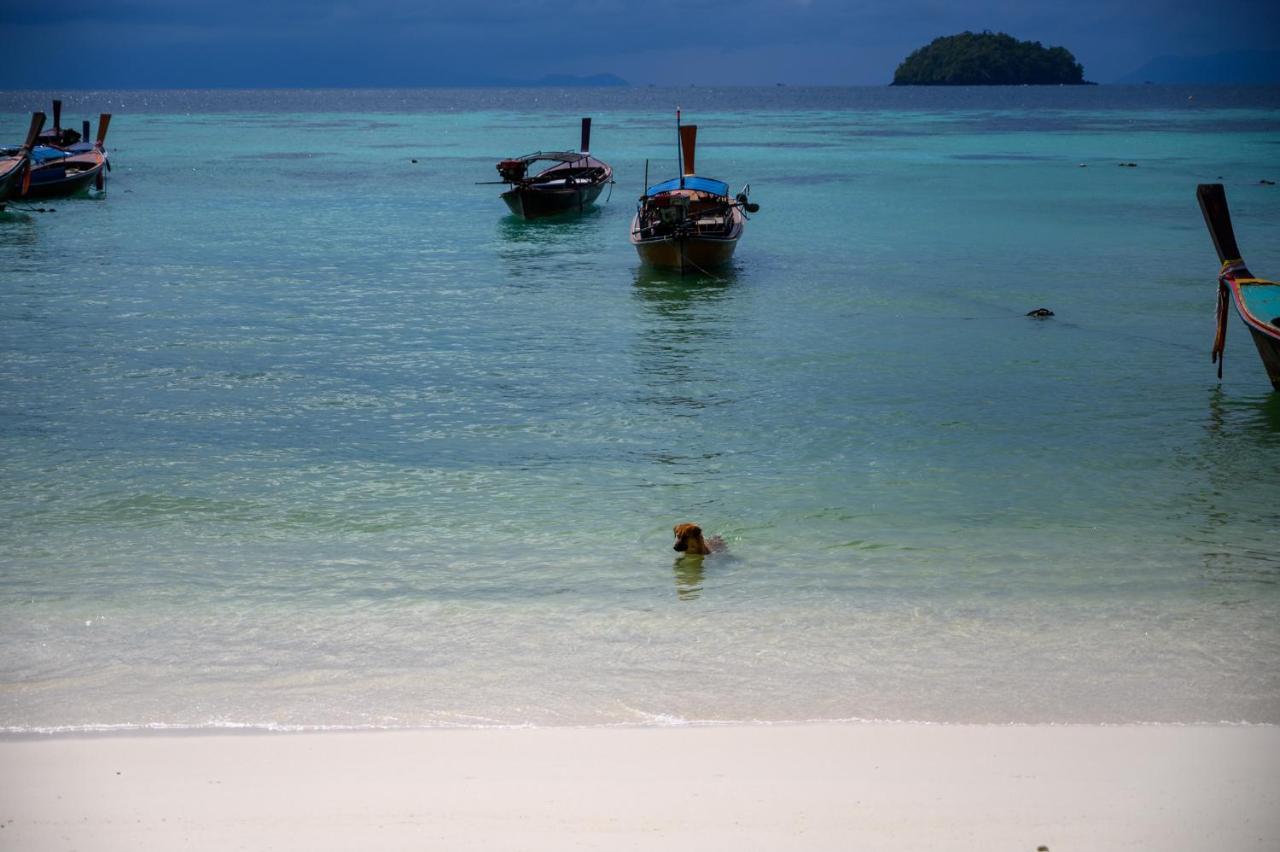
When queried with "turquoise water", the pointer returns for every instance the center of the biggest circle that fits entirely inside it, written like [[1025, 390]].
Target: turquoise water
[[297, 432]]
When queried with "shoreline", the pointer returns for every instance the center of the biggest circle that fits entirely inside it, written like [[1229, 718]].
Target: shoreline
[[880, 785], [234, 729]]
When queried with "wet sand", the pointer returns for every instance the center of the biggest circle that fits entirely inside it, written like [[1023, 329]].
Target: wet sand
[[881, 786]]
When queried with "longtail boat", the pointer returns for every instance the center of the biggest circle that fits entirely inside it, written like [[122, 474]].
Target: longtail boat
[[571, 184], [689, 223], [1257, 299], [15, 163], [58, 136], [57, 172]]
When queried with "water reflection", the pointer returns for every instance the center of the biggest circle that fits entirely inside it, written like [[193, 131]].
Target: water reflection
[[17, 226], [564, 227], [1241, 460], [678, 347], [689, 574], [1240, 425], [553, 244], [672, 293]]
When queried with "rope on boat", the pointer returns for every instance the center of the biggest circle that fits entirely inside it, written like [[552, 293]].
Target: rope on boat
[[1225, 276], [1231, 266], [714, 278], [1220, 337], [1223, 310], [26, 208]]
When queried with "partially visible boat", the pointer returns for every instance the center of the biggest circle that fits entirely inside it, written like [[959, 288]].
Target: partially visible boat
[[15, 163], [1257, 300], [689, 223], [58, 136], [572, 182], [57, 172]]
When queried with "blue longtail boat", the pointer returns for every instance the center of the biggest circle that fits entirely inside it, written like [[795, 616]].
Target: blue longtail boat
[[1257, 300], [689, 223]]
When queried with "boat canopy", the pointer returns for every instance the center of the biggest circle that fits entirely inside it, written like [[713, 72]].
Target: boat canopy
[[701, 184], [583, 161], [43, 153], [559, 156]]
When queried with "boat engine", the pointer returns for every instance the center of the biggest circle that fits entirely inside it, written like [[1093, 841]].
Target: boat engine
[[512, 171], [675, 211]]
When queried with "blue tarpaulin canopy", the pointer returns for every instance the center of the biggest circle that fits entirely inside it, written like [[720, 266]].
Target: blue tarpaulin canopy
[[715, 187], [41, 153]]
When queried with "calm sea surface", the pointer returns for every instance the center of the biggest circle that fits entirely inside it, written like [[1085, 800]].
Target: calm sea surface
[[298, 428]]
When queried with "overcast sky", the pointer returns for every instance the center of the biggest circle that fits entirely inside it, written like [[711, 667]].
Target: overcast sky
[[315, 43]]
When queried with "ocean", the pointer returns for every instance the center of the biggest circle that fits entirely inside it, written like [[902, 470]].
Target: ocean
[[299, 429]]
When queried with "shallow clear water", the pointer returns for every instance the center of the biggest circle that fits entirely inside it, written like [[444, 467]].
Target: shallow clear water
[[298, 432]]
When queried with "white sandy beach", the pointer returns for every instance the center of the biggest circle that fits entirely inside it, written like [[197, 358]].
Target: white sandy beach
[[809, 786]]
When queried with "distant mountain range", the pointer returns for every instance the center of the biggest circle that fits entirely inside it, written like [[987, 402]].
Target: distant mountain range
[[1233, 67]]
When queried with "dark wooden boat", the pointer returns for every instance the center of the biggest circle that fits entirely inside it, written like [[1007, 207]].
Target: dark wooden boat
[[571, 184], [1257, 300], [15, 163], [58, 136], [57, 172], [689, 223]]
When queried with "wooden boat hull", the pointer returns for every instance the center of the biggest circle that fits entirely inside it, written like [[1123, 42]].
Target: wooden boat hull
[[534, 203], [11, 178], [62, 178], [1259, 306], [687, 252], [14, 166]]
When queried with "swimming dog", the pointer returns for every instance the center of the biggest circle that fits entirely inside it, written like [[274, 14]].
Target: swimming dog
[[689, 540]]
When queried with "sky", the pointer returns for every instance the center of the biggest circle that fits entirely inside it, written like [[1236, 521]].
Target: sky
[[86, 44]]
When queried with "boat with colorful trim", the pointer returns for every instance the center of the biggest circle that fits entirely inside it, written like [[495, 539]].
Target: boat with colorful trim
[[1257, 300], [689, 223]]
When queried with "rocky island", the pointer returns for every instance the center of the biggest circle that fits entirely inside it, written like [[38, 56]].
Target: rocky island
[[988, 59]]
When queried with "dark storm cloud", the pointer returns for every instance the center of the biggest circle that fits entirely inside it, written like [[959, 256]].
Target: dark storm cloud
[[149, 43]]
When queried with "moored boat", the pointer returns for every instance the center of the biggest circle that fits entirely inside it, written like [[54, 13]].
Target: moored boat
[[1257, 300], [57, 172], [15, 163], [689, 223], [571, 184], [58, 136]]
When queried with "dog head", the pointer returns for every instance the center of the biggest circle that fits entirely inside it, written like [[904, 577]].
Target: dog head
[[689, 539]]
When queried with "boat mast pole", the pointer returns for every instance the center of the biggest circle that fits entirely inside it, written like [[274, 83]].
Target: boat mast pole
[[679, 150]]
